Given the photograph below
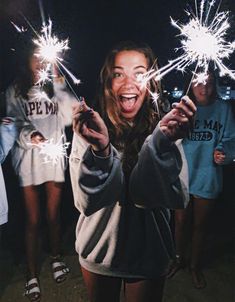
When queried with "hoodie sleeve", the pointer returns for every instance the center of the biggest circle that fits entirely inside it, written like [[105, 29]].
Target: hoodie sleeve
[[7, 139], [97, 182], [66, 100], [155, 181]]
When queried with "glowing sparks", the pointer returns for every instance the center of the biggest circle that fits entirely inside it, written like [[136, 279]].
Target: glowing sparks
[[44, 75], [50, 48], [200, 78], [52, 152], [50, 51], [39, 95], [19, 29], [204, 41]]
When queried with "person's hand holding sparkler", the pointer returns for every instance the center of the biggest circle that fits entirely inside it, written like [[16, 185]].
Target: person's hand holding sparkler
[[89, 124], [178, 121], [219, 157], [37, 137]]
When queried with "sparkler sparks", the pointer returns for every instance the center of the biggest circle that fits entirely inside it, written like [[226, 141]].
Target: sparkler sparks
[[203, 42], [50, 50], [50, 47], [52, 152]]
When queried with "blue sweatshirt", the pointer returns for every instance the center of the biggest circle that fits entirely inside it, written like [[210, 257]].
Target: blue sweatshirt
[[214, 128]]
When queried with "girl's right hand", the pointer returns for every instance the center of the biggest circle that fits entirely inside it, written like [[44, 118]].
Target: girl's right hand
[[219, 157], [89, 124], [7, 120], [37, 137]]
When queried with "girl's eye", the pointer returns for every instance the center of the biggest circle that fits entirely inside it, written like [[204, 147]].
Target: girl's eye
[[117, 75]]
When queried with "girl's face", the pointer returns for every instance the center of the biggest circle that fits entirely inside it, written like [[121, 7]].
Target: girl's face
[[203, 92], [35, 65], [128, 64]]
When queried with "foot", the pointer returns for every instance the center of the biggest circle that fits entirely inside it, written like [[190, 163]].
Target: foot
[[175, 266], [59, 270], [32, 290], [198, 278]]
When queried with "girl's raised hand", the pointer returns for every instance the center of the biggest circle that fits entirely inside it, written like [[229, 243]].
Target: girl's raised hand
[[177, 123], [89, 124]]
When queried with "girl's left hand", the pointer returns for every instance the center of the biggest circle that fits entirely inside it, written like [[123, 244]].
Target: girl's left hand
[[177, 123], [219, 157], [7, 120]]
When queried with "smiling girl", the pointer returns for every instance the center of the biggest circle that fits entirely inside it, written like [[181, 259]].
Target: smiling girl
[[125, 174]]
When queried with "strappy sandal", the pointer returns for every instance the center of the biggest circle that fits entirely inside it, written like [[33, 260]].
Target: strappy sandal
[[176, 265], [59, 270], [32, 290]]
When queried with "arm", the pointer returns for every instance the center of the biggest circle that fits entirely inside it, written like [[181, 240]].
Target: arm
[[97, 182], [224, 152], [7, 137], [66, 100], [155, 179]]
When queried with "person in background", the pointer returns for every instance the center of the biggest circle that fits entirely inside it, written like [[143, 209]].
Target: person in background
[[124, 168], [7, 139], [41, 114], [206, 150]]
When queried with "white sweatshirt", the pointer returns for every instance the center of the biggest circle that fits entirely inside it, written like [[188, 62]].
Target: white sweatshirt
[[49, 117]]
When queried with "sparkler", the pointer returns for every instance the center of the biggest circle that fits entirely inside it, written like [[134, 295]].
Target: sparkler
[[52, 152], [203, 42], [50, 49]]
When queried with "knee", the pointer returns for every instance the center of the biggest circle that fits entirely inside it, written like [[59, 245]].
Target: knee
[[32, 222], [180, 220]]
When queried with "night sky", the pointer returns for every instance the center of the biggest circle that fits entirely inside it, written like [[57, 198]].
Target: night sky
[[93, 27]]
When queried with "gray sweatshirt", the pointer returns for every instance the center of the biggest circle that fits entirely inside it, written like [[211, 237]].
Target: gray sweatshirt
[[118, 237]]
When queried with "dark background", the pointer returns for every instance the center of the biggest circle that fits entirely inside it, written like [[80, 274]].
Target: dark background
[[93, 27]]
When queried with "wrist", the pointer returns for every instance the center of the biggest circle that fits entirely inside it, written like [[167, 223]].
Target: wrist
[[102, 151]]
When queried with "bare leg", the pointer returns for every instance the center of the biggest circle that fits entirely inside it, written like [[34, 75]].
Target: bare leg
[[53, 191], [182, 229], [144, 290], [201, 210], [32, 207], [102, 288]]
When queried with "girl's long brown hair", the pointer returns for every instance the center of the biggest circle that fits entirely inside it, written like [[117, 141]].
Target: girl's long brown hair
[[24, 78], [125, 137]]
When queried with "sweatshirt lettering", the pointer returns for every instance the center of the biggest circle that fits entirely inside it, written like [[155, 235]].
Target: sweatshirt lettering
[[39, 108]]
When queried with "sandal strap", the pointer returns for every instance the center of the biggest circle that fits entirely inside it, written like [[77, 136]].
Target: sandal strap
[[64, 270], [31, 281], [58, 264], [34, 289], [60, 273]]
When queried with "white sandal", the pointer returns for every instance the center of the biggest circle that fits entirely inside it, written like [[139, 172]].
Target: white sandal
[[60, 271], [32, 290]]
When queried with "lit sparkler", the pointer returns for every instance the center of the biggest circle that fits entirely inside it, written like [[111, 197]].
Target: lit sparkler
[[203, 42], [50, 49], [52, 152]]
